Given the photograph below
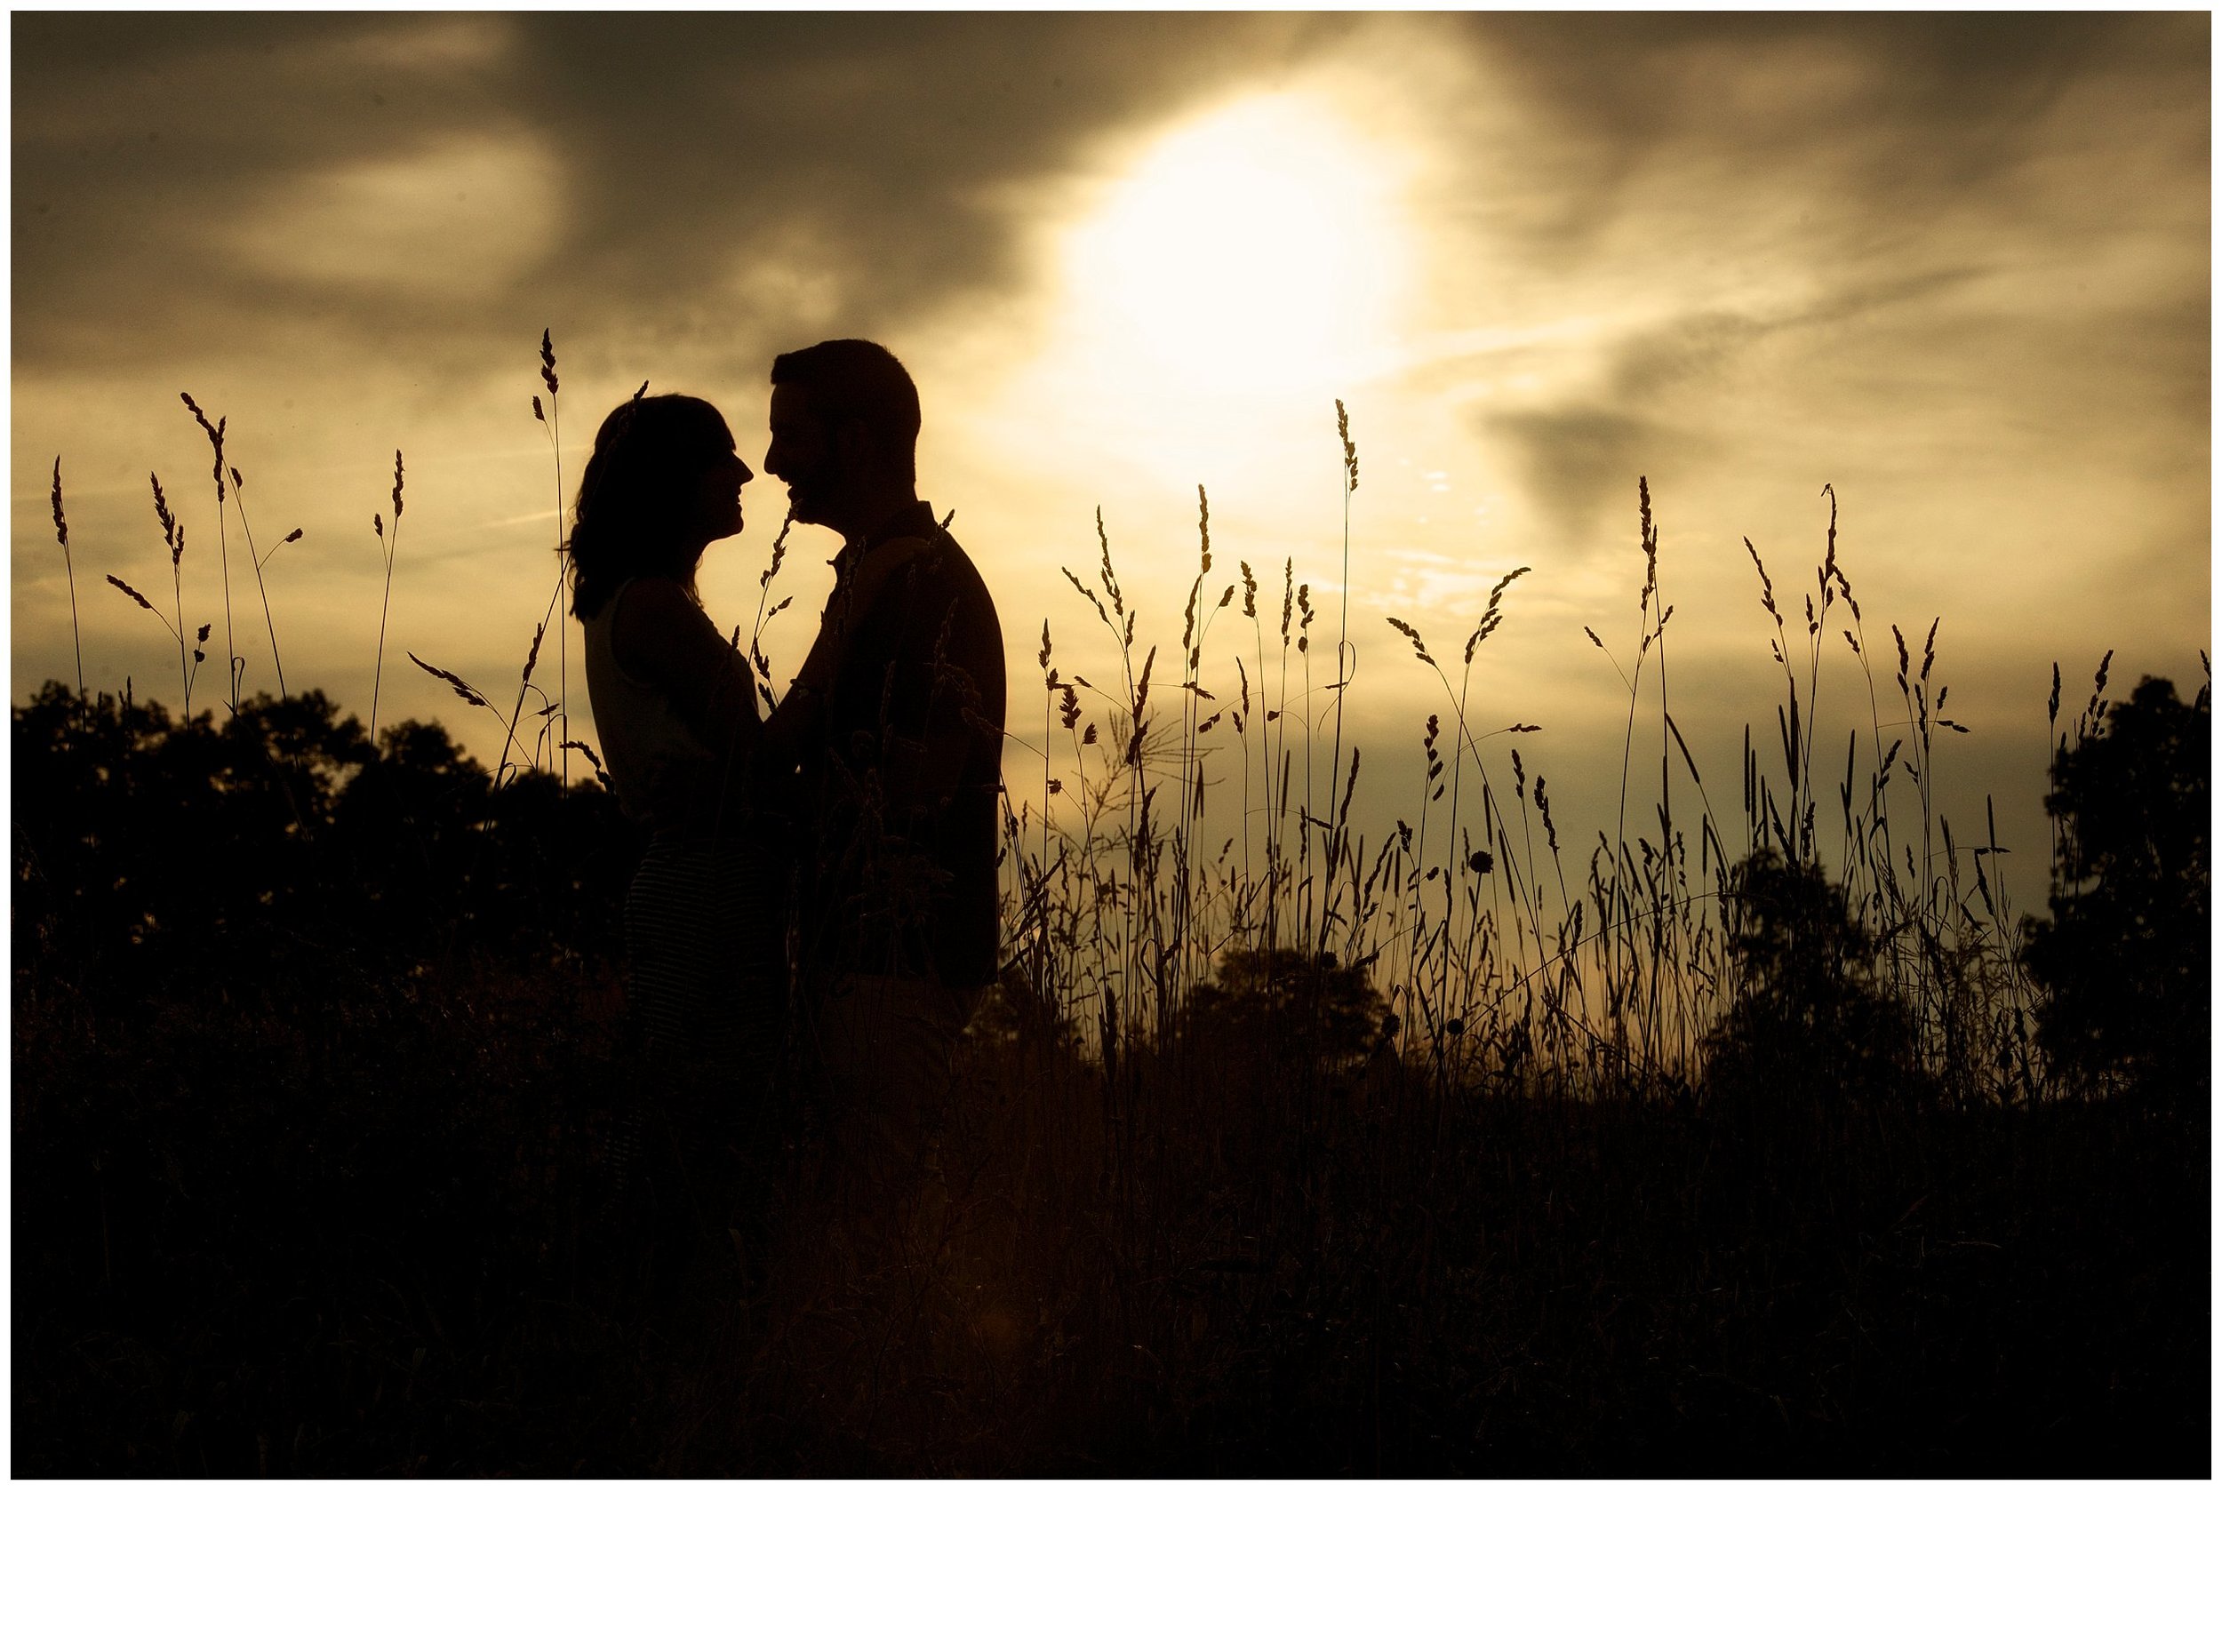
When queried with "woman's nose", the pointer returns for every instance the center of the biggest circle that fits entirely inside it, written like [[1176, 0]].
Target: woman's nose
[[747, 474]]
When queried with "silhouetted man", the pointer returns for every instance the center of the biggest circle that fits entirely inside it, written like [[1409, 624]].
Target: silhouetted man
[[899, 712]]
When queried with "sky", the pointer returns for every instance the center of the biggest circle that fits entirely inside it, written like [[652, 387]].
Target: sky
[[1953, 269]]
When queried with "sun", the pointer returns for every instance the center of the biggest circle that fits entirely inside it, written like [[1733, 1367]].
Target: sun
[[1206, 293], [1260, 250]]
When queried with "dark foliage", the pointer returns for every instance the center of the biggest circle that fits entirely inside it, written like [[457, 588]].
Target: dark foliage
[[1808, 1022], [2124, 958], [1310, 1008], [152, 854]]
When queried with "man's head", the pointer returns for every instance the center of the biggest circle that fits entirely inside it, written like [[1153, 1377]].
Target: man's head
[[845, 434]]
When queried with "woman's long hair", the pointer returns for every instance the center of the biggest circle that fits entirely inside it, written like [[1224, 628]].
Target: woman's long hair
[[638, 493]]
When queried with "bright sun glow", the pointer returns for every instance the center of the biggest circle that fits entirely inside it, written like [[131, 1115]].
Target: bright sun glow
[[1208, 297], [1257, 250]]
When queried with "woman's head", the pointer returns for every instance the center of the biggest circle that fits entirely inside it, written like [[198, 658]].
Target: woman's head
[[664, 481]]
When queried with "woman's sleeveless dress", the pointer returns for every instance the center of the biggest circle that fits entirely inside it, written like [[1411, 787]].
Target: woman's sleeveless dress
[[706, 917]]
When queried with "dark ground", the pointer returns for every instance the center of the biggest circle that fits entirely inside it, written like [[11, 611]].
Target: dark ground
[[358, 1236]]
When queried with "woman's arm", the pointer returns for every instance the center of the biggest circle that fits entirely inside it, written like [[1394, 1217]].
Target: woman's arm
[[661, 636]]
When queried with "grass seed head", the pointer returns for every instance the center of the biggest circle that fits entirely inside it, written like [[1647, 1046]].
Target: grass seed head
[[134, 595], [464, 691], [162, 512], [215, 433], [1411, 634]]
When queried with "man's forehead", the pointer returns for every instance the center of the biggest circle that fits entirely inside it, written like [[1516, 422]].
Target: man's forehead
[[791, 402]]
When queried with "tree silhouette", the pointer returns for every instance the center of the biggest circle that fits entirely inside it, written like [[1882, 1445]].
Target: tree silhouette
[[2123, 958], [1316, 1010], [1808, 1022], [282, 844]]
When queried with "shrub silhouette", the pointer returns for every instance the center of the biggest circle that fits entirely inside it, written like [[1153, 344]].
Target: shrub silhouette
[[150, 851], [143, 843], [1315, 1011], [2123, 958], [1808, 1022]]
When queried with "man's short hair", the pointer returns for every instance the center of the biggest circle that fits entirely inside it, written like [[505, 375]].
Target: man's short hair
[[856, 378]]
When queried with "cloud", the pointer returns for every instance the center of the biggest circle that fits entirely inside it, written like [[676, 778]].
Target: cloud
[[171, 173], [1579, 463], [463, 216], [1870, 218]]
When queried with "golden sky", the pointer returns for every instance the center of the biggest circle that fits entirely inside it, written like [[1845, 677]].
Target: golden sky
[[1955, 267]]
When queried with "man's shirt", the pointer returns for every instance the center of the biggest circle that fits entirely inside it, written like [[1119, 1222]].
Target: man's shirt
[[900, 782]]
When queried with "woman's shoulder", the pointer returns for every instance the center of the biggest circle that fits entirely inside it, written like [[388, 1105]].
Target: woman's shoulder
[[645, 612], [656, 599]]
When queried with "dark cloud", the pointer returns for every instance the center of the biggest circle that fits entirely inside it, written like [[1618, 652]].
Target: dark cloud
[[685, 144], [143, 142], [877, 144], [1581, 463], [1888, 114], [1858, 181]]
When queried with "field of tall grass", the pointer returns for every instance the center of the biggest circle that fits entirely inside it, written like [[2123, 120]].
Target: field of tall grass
[[1770, 1138]]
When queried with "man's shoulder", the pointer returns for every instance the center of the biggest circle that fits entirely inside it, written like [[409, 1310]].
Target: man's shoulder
[[934, 566]]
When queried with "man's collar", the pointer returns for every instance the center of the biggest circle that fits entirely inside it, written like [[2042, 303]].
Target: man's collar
[[914, 521]]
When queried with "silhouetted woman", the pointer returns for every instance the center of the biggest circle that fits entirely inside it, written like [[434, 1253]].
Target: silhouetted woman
[[675, 706]]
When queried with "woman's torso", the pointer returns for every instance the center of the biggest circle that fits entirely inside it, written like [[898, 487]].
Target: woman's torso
[[664, 776]]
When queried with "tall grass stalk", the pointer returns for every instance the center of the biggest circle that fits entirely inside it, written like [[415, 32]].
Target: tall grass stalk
[[173, 542], [1345, 657], [234, 666], [239, 504], [69, 568], [389, 548], [1494, 960], [551, 419]]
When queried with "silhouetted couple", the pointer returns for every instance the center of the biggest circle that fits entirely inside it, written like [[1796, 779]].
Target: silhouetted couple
[[835, 860]]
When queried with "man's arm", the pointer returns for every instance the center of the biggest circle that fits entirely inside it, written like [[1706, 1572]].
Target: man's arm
[[796, 726], [934, 738]]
